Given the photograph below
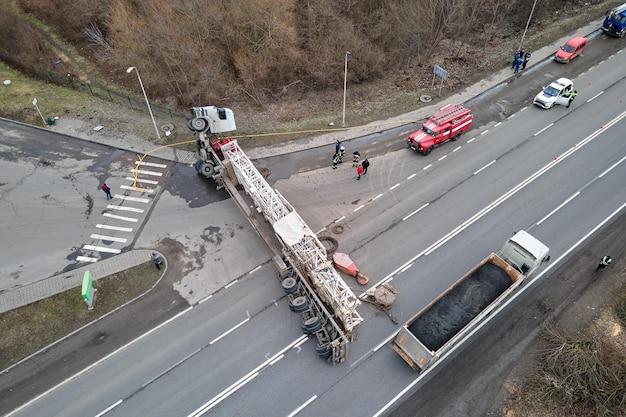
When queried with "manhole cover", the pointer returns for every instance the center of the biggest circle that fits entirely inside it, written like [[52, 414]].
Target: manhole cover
[[425, 98], [337, 229]]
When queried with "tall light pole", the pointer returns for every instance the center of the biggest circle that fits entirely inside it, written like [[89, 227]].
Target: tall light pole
[[345, 85], [527, 24], [156, 129]]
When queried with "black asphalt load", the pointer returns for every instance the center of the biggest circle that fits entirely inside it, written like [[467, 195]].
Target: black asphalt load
[[461, 304]]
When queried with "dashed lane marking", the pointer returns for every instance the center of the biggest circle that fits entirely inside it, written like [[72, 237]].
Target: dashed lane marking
[[150, 164], [135, 199], [142, 180], [109, 238], [377, 197], [86, 259], [142, 171], [426, 167], [485, 167], [394, 187], [415, 212], [125, 208], [141, 190], [484, 132], [116, 217], [456, 149], [471, 140], [358, 208], [443, 157], [101, 249], [544, 129], [595, 97], [411, 176], [119, 229], [497, 124], [340, 219]]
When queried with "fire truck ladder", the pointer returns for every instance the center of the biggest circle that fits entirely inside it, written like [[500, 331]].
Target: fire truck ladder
[[448, 113], [305, 246]]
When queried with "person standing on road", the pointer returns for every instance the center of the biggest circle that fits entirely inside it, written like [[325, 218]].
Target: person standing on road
[[516, 65], [525, 60], [342, 151], [156, 259], [107, 191], [356, 156], [365, 164], [335, 160], [604, 262], [572, 95], [359, 172], [337, 146]]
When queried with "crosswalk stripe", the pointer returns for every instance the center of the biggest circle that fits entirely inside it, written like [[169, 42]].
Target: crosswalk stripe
[[142, 171], [150, 164], [142, 180], [116, 217], [101, 249], [124, 208], [109, 238], [119, 229], [128, 198], [86, 259], [142, 190]]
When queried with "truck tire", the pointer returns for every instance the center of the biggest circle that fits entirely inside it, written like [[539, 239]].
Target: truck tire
[[290, 285], [197, 124], [455, 137], [208, 169], [429, 150], [299, 304], [311, 325]]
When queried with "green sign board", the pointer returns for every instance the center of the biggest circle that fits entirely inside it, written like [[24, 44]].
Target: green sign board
[[88, 290]]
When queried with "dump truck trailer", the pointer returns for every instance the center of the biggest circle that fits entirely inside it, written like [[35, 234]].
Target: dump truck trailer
[[453, 314]]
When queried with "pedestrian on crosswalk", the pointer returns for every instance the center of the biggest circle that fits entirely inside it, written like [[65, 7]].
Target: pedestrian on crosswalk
[[107, 191]]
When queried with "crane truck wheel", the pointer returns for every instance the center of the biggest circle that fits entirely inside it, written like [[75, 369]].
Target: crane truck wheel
[[290, 285], [299, 304], [311, 325], [197, 124], [208, 169]]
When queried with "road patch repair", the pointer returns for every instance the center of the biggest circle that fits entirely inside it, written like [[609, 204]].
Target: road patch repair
[[28, 329]]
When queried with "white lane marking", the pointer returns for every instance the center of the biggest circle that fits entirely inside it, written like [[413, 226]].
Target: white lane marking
[[134, 199], [485, 167], [426, 167], [241, 382], [86, 259], [484, 132], [394, 187], [611, 167], [109, 238], [297, 345], [510, 117], [443, 157], [456, 149], [109, 408], [98, 362], [377, 197], [254, 270], [523, 108], [544, 129], [125, 208], [358, 208], [227, 332], [497, 124], [471, 140], [595, 97], [230, 284], [415, 212], [297, 410], [119, 229], [142, 180], [205, 299], [384, 342], [150, 164], [139, 189], [321, 230], [558, 208], [276, 360], [339, 219], [101, 249], [490, 317], [411, 176], [144, 172], [406, 267], [116, 217]]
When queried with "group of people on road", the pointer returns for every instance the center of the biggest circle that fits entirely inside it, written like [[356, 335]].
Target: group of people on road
[[361, 167], [520, 60]]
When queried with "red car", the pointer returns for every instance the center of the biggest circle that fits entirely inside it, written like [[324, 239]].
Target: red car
[[571, 49]]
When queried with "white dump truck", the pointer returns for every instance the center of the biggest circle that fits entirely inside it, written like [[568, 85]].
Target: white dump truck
[[453, 314]]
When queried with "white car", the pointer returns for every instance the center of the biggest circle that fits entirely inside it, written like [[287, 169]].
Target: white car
[[556, 93]]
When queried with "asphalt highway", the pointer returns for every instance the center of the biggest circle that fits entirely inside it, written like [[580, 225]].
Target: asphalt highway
[[558, 173]]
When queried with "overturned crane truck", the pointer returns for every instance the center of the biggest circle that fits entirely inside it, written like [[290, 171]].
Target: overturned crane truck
[[313, 286], [451, 316]]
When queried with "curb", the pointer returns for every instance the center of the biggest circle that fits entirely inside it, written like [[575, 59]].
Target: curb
[[94, 321]]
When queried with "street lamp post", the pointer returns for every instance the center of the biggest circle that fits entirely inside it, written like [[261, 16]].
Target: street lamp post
[[156, 129], [345, 85], [527, 24]]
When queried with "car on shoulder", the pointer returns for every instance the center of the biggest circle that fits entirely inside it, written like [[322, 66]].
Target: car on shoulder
[[555, 93], [572, 48]]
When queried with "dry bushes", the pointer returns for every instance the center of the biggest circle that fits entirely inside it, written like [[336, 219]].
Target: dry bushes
[[580, 375]]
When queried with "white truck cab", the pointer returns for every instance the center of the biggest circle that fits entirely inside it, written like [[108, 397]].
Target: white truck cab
[[524, 252], [555, 93]]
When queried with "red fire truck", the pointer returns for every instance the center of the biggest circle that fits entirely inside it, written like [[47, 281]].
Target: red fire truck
[[448, 123]]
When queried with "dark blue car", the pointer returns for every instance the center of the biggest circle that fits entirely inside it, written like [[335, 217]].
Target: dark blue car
[[615, 22]]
